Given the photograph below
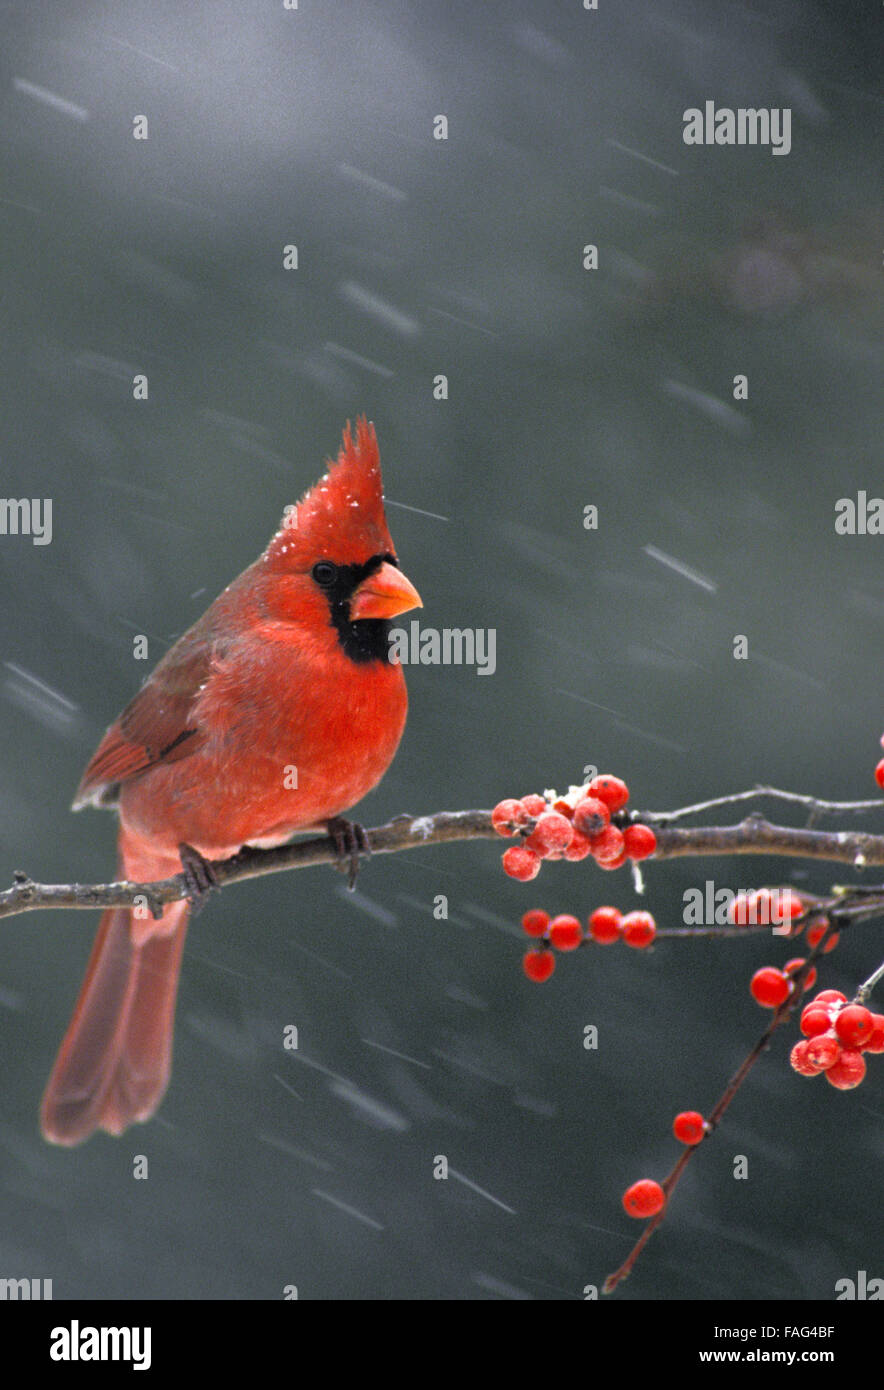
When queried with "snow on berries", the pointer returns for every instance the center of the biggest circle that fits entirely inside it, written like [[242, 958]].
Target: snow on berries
[[509, 816], [836, 1034], [591, 815], [609, 789], [521, 863], [552, 831], [588, 820]]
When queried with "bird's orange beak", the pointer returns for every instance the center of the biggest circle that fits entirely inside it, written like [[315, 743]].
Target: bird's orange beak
[[384, 594]]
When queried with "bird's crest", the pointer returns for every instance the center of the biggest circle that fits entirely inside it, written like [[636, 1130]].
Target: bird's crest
[[342, 516]]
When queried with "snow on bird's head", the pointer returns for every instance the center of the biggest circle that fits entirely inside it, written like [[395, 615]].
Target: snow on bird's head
[[340, 518]]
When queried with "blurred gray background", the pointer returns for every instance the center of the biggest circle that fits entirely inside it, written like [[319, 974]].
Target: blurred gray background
[[567, 388]]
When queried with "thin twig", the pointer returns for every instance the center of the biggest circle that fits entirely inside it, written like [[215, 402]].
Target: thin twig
[[868, 985], [814, 804], [781, 1016]]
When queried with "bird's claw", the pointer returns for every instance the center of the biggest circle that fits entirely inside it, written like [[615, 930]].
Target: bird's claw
[[350, 841], [199, 876]]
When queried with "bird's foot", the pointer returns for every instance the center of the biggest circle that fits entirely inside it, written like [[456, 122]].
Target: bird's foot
[[350, 841], [199, 875]]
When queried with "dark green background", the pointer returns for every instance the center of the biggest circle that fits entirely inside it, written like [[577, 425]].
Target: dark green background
[[166, 257]]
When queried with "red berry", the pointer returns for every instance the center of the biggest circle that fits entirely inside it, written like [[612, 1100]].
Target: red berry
[[801, 1062], [814, 1021], [579, 847], [830, 996], [689, 1127], [604, 925], [752, 909], [639, 929], [765, 908], [815, 936], [609, 864], [538, 965], [875, 1041], [770, 987], [848, 1071], [644, 1198], [563, 807], [785, 907], [534, 804], [607, 845], [611, 790], [565, 933], [823, 1051], [639, 841], [793, 966], [591, 815], [535, 922], [508, 816], [551, 833], [738, 911], [853, 1025], [521, 863], [879, 772]]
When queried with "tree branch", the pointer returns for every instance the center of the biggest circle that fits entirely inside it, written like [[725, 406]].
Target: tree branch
[[754, 835], [403, 832]]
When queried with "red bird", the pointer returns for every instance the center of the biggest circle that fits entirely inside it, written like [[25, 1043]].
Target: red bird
[[275, 712]]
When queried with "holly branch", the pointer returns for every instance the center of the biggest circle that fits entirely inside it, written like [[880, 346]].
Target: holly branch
[[536, 822], [753, 835]]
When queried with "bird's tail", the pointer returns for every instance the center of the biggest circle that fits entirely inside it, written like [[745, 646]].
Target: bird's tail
[[114, 1062]]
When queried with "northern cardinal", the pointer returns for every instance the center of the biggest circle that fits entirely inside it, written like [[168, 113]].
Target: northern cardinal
[[275, 712]]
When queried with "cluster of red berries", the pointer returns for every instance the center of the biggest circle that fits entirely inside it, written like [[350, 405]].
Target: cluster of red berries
[[836, 1034], [766, 907], [586, 821], [780, 908], [646, 1197], [565, 933], [879, 770]]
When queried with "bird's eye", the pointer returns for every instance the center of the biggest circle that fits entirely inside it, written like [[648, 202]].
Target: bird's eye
[[325, 573]]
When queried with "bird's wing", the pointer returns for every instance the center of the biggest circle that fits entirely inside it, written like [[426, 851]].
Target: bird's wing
[[158, 726]]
